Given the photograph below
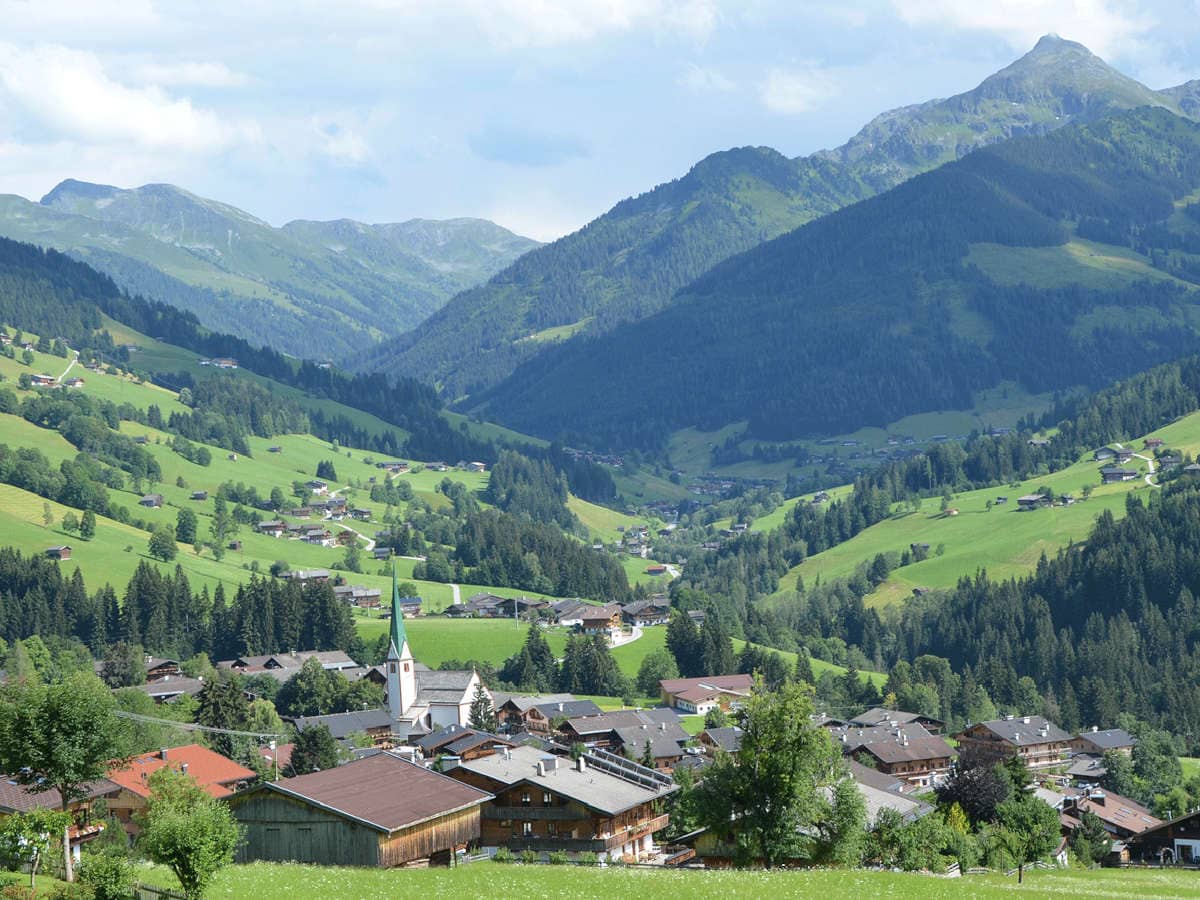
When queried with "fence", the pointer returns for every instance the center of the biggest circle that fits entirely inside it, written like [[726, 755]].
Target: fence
[[143, 891]]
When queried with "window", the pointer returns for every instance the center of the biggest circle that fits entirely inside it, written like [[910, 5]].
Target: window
[[551, 829], [526, 828], [525, 798], [547, 798]]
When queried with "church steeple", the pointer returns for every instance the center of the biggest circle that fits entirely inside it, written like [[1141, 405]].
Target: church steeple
[[401, 673]]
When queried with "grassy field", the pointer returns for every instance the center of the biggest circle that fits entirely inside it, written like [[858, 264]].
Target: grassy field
[[1002, 540], [1191, 766], [486, 879], [1098, 266], [434, 639]]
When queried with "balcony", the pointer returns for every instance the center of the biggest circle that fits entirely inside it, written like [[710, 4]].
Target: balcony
[[533, 813]]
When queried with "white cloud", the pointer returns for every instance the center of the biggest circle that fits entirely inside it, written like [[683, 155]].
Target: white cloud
[[702, 80], [797, 90], [70, 94], [200, 74], [518, 24], [345, 146], [1104, 26]]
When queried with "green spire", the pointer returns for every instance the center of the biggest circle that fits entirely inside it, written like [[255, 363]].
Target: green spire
[[398, 635]]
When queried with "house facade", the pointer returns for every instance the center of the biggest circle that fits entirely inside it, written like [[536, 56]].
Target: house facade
[[1036, 741], [600, 803]]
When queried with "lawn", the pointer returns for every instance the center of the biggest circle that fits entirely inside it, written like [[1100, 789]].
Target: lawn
[[1191, 766], [486, 879], [629, 656]]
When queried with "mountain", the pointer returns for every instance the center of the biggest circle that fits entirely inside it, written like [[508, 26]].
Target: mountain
[[629, 262], [312, 289], [1072, 258]]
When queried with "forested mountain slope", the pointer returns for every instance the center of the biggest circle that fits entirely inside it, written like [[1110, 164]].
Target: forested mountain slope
[[312, 289], [630, 261], [1070, 258]]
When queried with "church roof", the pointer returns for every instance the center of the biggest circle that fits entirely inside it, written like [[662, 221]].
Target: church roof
[[398, 635]]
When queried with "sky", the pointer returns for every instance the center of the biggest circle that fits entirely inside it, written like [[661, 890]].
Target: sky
[[537, 114]]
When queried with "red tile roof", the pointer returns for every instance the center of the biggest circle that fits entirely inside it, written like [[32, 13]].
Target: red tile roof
[[212, 771], [737, 683]]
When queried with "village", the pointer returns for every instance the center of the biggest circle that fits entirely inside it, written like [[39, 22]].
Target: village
[[448, 771]]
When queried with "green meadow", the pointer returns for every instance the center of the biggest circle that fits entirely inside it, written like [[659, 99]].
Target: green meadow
[[487, 879]]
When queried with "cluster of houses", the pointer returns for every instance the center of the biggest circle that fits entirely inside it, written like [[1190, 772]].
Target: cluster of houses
[[220, 362]]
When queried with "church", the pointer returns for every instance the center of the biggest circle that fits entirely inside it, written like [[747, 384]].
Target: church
[[420, 699]]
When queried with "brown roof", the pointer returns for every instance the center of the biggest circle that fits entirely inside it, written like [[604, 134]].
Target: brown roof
[[599, 612], [19, 798], [720, 682], [383, 792], [916, 749], [1114, 809]]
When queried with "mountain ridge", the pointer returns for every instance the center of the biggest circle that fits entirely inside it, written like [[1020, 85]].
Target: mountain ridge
[[630, 261], [287, 287]]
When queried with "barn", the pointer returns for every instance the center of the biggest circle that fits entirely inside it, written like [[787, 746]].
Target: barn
[[377, 811]]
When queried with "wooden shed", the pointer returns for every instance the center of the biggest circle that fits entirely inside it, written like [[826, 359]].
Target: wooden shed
[[376, 811]]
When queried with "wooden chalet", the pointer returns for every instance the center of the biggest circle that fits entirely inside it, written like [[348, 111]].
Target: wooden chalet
[[215, 774], [16, 798], [1174, 841], [1095, 742], [151, 500], [1117, 474], [601, 620], [923, 761], [376, 724], [1123, 818], [536, 714], [600, 803], [60, 552], [380, 811], [632, 732], [1038, 742], [460, 742]]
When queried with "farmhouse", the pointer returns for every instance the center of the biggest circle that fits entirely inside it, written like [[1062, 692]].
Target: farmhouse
[[655, 611], [359, 596], [199, 495], [1032, 501], [1096, 741], [151, 500], [601, 620], [17, 798], [171, 688], [1036, 741], [1153, 443], [628, 730], [273, 528], [1175, 841], [43, 380], [922, 761], [699, 695], [536, 714], [316, 576], [73, 383], [461, 742], [216, 774], [600, 803], [1123, 818], [62, 551], [721, 740], [378, 811], [374, 723], [1115, 474]]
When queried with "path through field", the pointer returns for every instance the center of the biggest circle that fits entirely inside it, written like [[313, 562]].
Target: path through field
[[457, 594]]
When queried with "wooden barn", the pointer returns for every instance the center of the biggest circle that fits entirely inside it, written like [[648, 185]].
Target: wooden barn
[[376, 811]]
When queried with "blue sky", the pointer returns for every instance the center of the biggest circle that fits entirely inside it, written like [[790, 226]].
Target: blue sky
[[539, 114]]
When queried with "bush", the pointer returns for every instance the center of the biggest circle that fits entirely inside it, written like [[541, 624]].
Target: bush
[[502, 855], [76, 891], [529, 856], [109, 874], [586, 858], [559, 858]]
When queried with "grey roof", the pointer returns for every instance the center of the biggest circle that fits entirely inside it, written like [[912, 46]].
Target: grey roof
[[435, 739], [644, 720], [914, 750], [1109, 739], [170, 687], [1087, 768], [342, 724], [662, 746], [569, 708], [1026, 730], [874, 778], [879, 716], [595, 788], [851, 738], [728, 739], [524, 702], [444, 680]]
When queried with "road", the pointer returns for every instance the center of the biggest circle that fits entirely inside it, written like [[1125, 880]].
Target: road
[[69, 367], [370, 541], [1149, 465], [621, 640], [457, 594], [672, 571]]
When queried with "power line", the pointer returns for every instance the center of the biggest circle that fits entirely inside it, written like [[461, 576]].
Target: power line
[[192, 726]]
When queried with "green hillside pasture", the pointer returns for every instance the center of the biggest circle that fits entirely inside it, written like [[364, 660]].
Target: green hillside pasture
[[1004, 541], [1078, 262], [435, 639], [489, 431], [486, 879], [629, 656], [602, 522], [635, 570]]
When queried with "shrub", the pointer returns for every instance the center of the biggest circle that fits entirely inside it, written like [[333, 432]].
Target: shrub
[[529, 856], [108, 873], [586, 858], [559, 858], [502, 855]]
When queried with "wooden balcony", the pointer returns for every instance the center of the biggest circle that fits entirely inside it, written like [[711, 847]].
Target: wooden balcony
[[534, 813]]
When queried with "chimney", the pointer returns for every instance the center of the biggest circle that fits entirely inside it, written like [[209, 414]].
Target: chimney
[[541, 768], [581, 764], [1025, 719], [1095, 728], [183, 768], [662, 726], [1016, 735], [162, 754], [560, 706]]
